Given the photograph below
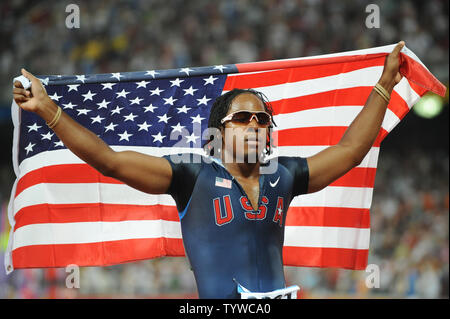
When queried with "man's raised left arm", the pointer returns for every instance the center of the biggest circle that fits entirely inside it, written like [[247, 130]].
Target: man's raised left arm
[[334, 161]]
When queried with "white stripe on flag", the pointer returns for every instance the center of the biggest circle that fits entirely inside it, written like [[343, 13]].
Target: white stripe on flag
[[327, 237], [362, 77], [328, 116], [93, 232], [370, 160], [65, 156], [78, 193], [406, 92], [336, 196]]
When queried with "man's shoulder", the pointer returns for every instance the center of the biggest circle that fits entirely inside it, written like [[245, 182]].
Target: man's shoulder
[[291, 164], [186, 158], [285, 160]]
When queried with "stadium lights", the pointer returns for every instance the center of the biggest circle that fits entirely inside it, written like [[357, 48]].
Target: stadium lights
[[429, 106]]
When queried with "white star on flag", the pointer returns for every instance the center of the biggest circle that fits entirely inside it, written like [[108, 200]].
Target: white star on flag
[[144, 126], [220, 67], [81, 78], [163, 118], [122, 93], [210, 80], [29, 147], [197, 119], [97, 119], [116, 75], [177, 128], [33, 127], [44, 81], [55, 97], [83, 111], [125, 136], [137, 101], [186, 70], [203, 100], [73, 87], [130, 117], [152, 73], [103, 104], [108, 85], [170, 100], [158, 137], [190, 91], [47, 136], [69, 106], [110, 127], [191, 138], [150, 108], [142, 84], [88, 96], [116, 110], [176, 82], [156, 91], [183, 109]]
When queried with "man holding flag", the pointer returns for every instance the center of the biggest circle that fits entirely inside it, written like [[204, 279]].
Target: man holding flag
[[233, 255]]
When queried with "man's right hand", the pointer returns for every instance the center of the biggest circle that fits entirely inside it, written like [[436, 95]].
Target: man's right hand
[[32, 101]]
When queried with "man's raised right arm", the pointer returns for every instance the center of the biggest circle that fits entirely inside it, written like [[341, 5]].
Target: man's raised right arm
[[146, 173]]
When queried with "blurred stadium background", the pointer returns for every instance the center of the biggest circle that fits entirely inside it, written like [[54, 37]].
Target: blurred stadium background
[[409, 215]]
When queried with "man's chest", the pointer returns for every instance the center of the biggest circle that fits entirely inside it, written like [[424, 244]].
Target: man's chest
[[222, 199]]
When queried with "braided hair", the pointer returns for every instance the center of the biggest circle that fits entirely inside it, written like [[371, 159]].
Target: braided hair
[[221, 107]]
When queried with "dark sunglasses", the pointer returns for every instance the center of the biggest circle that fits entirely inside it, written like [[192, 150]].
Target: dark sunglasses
[[246, 117]]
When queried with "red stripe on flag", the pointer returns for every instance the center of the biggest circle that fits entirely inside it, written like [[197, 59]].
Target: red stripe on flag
[[96, 254], [328, 217], [418, 89], [357, 177], [296, 63], [416, 73], [290, 75], [398, 105], [77, 213], [327, 135], [343, 97], [325, 257], [64, 173], [83, 173]]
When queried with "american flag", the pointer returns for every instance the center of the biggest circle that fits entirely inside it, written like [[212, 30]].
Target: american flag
[[64, 212]]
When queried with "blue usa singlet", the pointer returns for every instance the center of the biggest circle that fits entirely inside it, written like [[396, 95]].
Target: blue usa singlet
[[225, 240]]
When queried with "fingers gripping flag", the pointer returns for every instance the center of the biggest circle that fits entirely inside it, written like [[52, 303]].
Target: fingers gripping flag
[[63, 212]]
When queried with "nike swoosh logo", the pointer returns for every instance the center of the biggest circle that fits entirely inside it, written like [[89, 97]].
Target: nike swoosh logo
[[274, 183]]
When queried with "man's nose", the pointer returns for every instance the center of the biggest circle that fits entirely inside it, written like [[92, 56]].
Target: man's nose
[[254, 122]]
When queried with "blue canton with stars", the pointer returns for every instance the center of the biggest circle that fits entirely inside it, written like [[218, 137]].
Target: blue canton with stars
[[150, 108]]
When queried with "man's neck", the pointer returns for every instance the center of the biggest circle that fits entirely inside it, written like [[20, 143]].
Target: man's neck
[[245, 170]]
